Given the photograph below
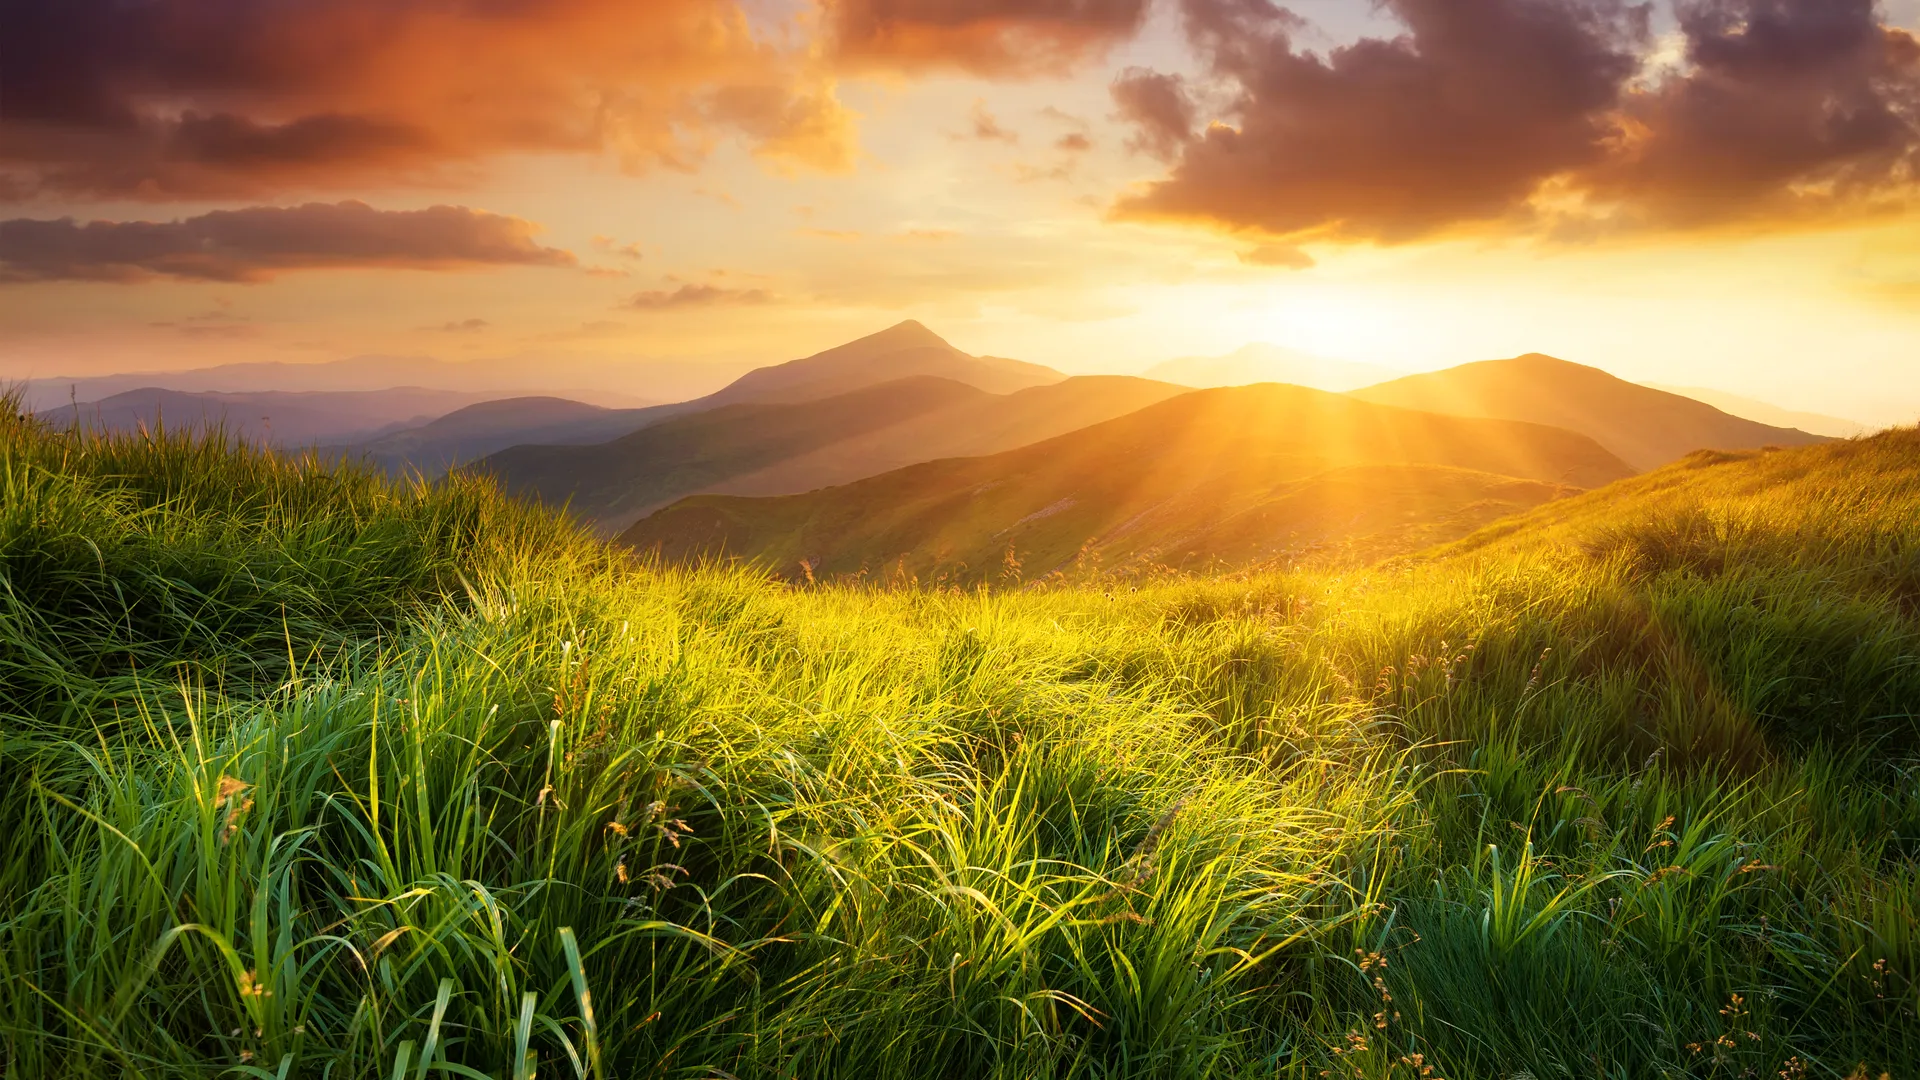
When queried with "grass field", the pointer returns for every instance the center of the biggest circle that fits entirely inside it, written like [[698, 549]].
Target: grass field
[[313, 774]]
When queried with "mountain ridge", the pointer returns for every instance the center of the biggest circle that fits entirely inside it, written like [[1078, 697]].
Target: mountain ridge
[[787, 448], [1136, 487], [903, 350], [1645, 427]]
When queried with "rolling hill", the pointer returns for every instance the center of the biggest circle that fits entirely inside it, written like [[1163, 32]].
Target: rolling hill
[[285, 418], [1215, 477], [1261, 362], [763, 449], [1645, 427], [902, 351]]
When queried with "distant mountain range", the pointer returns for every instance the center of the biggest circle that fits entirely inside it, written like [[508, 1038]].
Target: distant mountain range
[[898, 452], [1210, 478], [902, 351], [479, 378], [763, 449], [1264, 363], [285, 418], [1647, 428]]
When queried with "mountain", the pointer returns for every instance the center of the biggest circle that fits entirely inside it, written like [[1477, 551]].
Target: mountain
[[1261, 362], [1767, 413], [760, 449], [1214, 477], [491, 378], [1647, 428], [472, 433], [902, 351], [291, 419]]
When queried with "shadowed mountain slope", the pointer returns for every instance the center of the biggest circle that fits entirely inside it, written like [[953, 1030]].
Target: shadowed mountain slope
[[478, 430], [1215, 477], [285, 418], [1647, 428], [783, 449]]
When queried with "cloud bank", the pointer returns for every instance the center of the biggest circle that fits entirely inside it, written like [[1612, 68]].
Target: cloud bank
[[167, 99], [1508, 114], [257, 243]]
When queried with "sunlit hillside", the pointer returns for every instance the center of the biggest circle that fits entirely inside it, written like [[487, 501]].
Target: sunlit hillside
[[316, 774], [1208, 480], [1646, 427]]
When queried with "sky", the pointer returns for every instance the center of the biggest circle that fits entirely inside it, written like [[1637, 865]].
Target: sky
[[652, 197]]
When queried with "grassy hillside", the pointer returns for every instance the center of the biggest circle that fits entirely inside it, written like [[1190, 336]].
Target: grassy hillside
[[783, 449], [1213, 478], [317, 775], [1647, 428]]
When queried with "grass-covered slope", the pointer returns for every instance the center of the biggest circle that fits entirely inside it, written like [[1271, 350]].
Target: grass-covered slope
[[1227, 477], [1557, 812]]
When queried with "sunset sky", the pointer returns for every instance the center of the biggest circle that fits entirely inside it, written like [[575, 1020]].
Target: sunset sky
[[651, 195]]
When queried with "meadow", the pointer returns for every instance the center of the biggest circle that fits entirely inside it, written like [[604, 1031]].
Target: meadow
[[314, 773]]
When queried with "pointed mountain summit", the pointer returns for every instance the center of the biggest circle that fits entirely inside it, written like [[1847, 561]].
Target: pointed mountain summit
[[1647, 428], [898, 352], [905, 351]]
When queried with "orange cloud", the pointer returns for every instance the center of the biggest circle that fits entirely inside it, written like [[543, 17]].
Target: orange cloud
[[256, 243], [197, 98], [984, 37], [1159, 108]]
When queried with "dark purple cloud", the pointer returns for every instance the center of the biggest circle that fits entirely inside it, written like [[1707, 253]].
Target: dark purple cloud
[[1459, 120], [1783, 108], [1787, 108]]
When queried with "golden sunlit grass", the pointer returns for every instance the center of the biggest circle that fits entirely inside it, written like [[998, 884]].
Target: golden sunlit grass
[[316, 775]]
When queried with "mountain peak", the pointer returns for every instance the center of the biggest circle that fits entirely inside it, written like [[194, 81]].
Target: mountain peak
[[907, 334], [1543, 359]]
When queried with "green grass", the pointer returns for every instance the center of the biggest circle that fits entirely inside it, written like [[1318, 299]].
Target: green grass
[[315, 775]]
